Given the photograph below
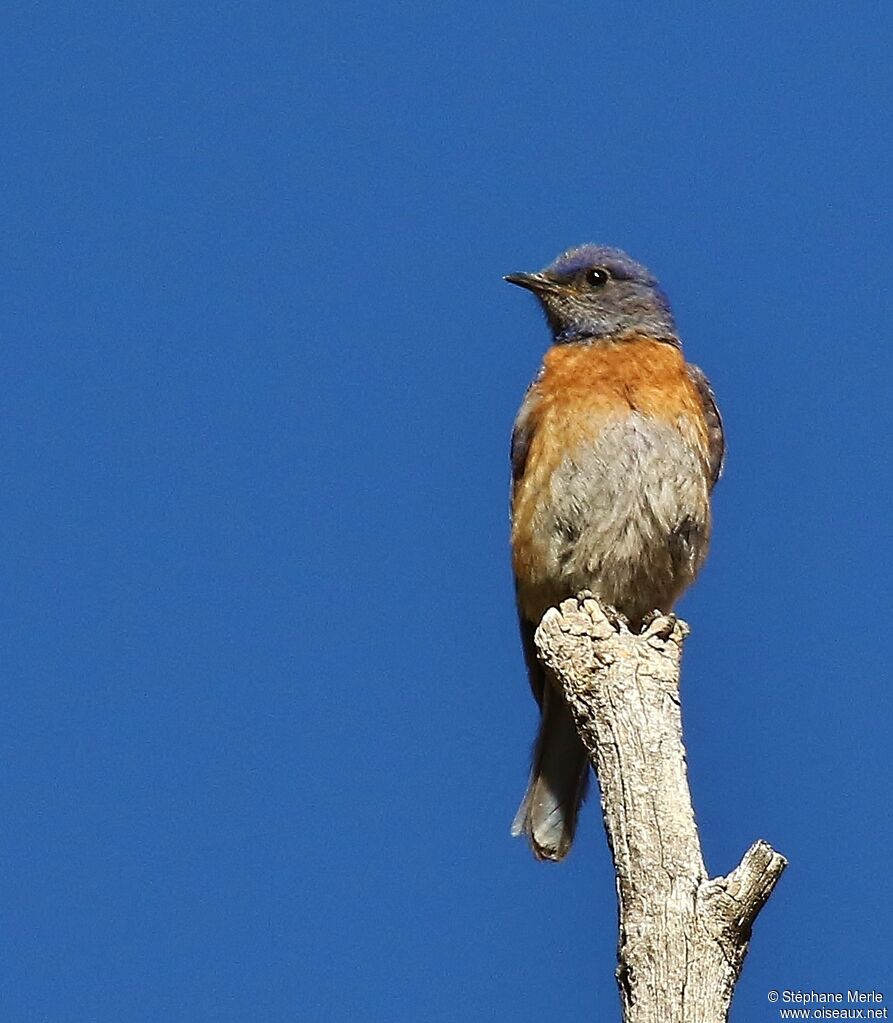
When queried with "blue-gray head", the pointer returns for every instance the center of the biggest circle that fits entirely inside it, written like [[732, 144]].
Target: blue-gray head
[[598, 292]]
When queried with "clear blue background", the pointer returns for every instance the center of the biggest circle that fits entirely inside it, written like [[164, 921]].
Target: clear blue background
[[265, 721]]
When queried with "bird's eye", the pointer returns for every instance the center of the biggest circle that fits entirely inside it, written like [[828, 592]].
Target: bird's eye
[[597, 276]]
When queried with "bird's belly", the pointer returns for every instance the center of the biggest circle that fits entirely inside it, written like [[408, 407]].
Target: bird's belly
[[626, 516]]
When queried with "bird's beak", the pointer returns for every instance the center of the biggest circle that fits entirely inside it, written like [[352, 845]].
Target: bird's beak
[[537, 283]]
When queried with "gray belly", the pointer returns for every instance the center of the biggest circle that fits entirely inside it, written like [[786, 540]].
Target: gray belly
[[628, 517]]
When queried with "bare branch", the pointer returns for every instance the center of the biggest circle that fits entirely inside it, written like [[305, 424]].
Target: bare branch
[[683, 936]]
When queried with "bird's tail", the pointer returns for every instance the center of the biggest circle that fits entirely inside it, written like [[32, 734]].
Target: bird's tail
[[558, 777]]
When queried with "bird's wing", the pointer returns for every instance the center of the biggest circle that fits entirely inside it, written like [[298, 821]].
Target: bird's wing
[[522, 434], [716, 439]]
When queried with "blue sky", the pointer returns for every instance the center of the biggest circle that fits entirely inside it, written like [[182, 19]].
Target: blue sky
[[265, 721]]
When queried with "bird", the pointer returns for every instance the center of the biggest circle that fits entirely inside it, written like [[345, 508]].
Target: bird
[[614, 453]]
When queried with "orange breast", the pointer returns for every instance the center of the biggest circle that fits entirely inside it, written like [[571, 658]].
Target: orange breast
[[639, 375], [581, 388]]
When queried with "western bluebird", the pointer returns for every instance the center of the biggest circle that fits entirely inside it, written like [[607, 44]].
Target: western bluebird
[[615, 450]]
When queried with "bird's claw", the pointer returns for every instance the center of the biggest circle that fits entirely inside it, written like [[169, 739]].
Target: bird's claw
[[663, 623], [614, 618]]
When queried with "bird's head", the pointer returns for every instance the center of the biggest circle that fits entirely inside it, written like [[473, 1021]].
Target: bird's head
[[594, 292]]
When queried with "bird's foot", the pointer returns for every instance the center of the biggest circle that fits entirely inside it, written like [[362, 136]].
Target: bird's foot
[[658, 623], [615, 618]]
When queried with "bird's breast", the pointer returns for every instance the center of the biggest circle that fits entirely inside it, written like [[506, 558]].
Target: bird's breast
[[614, 495]]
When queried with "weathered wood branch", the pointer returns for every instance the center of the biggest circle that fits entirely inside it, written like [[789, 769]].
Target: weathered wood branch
[[683, 935]]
